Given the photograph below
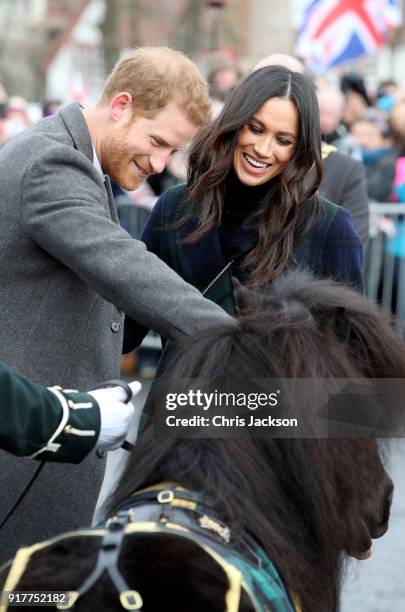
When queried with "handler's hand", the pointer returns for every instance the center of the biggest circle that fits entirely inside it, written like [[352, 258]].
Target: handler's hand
[[116, 416]]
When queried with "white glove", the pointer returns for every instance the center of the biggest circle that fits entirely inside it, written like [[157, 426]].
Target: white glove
[[116, 416]]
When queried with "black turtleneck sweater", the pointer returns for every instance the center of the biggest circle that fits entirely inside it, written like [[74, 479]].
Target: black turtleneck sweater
[[237, 231]]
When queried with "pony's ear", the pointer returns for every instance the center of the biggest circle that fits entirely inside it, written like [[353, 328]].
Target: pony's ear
[[354, 329], [247, 300]]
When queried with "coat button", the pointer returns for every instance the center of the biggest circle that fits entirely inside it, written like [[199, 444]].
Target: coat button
[[100, 452], [115, 326]]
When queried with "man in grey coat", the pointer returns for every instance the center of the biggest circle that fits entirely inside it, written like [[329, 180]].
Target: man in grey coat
[[69, 272]]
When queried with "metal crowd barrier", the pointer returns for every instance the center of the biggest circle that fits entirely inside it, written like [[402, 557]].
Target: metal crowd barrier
[[385, 261]]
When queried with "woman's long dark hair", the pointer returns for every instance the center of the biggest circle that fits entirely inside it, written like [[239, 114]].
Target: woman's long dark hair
[[211, 158], [306, 501]]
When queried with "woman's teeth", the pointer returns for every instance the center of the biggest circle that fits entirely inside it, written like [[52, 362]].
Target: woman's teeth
[[253, 162]]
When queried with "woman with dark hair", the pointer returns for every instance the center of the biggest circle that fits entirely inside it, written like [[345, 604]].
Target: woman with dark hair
[[225, 524], [249, 209]]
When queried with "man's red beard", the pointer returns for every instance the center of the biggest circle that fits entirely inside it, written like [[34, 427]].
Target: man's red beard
[[117, 162]]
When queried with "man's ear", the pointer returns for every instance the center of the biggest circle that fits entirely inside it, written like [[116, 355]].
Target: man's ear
[[121, 106]]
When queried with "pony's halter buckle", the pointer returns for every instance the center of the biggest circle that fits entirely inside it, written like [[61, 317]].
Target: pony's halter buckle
[[165, 497], [131, 600]]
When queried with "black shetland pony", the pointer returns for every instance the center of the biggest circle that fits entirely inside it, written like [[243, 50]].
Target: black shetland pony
[[307, 504]]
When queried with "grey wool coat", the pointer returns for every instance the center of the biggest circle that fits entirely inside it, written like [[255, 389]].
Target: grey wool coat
[[68, 272]]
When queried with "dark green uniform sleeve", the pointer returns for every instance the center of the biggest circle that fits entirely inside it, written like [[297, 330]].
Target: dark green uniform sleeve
[[46, 424]]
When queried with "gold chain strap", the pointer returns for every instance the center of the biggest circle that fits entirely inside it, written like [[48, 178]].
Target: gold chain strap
[[224, 269]]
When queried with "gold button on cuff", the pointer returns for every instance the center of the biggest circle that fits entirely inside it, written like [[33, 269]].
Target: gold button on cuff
[[67, 430]]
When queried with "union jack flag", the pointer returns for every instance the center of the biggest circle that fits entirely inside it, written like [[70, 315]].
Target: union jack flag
[[334, 32]]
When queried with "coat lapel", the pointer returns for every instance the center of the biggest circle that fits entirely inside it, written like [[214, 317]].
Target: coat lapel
[[111, 202], [73, 118]]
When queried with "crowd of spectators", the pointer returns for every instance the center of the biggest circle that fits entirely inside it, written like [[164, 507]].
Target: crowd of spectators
[[370, 127]]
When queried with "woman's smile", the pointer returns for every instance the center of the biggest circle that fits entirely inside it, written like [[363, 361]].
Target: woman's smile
[[254, 165]]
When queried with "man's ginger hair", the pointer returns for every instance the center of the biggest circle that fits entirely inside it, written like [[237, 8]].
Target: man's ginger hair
[[155, 76]]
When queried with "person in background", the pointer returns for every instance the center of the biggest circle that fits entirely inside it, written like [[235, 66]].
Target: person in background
[[223, 76], [51, 107], [387, 87], [356, 98], [386, 95], [331, 105], [371, 133], [343, 178], [395, 245], [16, 119], [397, 126]]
